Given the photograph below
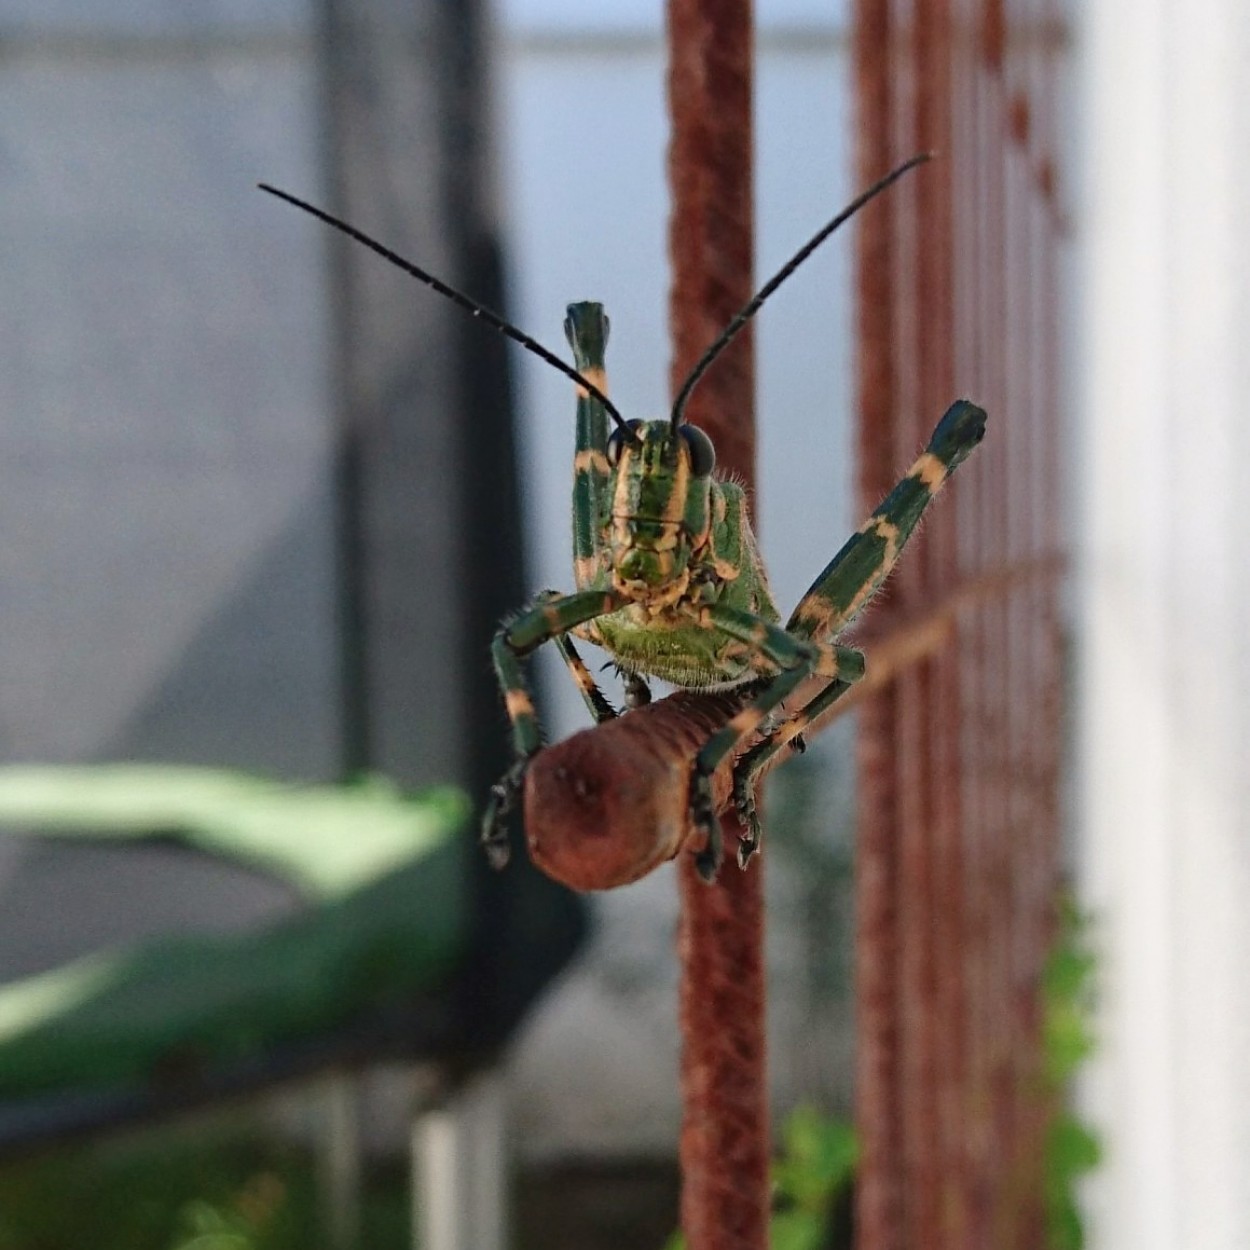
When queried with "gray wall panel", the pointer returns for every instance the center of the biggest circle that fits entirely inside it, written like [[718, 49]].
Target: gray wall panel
[[165, 540]]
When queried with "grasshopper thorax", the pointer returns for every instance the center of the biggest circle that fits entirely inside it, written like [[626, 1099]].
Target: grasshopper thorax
[[660, 507]]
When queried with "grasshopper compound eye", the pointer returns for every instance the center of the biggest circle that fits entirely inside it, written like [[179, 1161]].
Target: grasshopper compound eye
[[702, 453]]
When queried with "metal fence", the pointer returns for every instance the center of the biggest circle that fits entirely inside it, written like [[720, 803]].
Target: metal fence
[[957, 856]]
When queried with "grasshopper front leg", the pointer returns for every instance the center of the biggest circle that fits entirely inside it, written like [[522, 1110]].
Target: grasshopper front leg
[[595, 700], [547, 619]]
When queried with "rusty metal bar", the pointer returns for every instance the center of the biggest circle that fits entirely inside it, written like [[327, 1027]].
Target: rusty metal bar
[[725, 1139], [879, 1199], [959, 760]]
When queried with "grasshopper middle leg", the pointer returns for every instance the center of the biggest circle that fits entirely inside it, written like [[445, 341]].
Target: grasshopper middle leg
[[793, 660]]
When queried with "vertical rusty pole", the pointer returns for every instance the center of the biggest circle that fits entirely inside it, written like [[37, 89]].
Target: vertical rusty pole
[[938, 1217], [958, 794], [879, 1210], [724, 1140]]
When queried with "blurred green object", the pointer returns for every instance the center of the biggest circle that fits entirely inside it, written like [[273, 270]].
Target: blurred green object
[[388, 918], [1072, 1147], [326, 840], [221, 1181], [815, 1168], [813, 1172]]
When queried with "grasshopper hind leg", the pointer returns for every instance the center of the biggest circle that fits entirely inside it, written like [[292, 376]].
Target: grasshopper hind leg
[[849, 581]]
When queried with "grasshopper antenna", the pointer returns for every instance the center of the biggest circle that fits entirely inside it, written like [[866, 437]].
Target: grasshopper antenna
[[757, 300], [471, 306]]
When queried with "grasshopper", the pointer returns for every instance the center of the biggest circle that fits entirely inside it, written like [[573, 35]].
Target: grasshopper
[[668, 575]]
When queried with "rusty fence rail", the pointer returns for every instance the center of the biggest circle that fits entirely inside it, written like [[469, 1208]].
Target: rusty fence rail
[[957, 853]]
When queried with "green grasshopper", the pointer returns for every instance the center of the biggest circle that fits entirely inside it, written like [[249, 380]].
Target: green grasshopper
[[669, 580]]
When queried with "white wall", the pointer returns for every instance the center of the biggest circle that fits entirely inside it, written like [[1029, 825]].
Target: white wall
[[1163, 412]]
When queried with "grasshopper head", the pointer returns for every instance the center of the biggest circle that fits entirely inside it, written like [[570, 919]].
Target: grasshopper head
[[661, 495]]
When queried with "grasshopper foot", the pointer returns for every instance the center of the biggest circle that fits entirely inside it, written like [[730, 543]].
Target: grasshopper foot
[[703, 817], [744, 801], [637, 692], [503, 798]]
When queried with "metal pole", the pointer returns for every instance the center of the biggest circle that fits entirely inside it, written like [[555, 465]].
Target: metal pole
[[724, 1142]]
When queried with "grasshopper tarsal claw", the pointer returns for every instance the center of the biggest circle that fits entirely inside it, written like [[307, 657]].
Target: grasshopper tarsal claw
[[637, 692], [744, 801], [503, 798]]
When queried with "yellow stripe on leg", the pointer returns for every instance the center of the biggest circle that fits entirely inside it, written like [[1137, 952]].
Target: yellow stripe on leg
[[592, 459], [518, 703], [597, 376], [929, 471], [747, 721]]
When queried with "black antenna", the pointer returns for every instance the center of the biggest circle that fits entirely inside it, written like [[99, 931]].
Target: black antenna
[[780, 276], [471, 306]]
